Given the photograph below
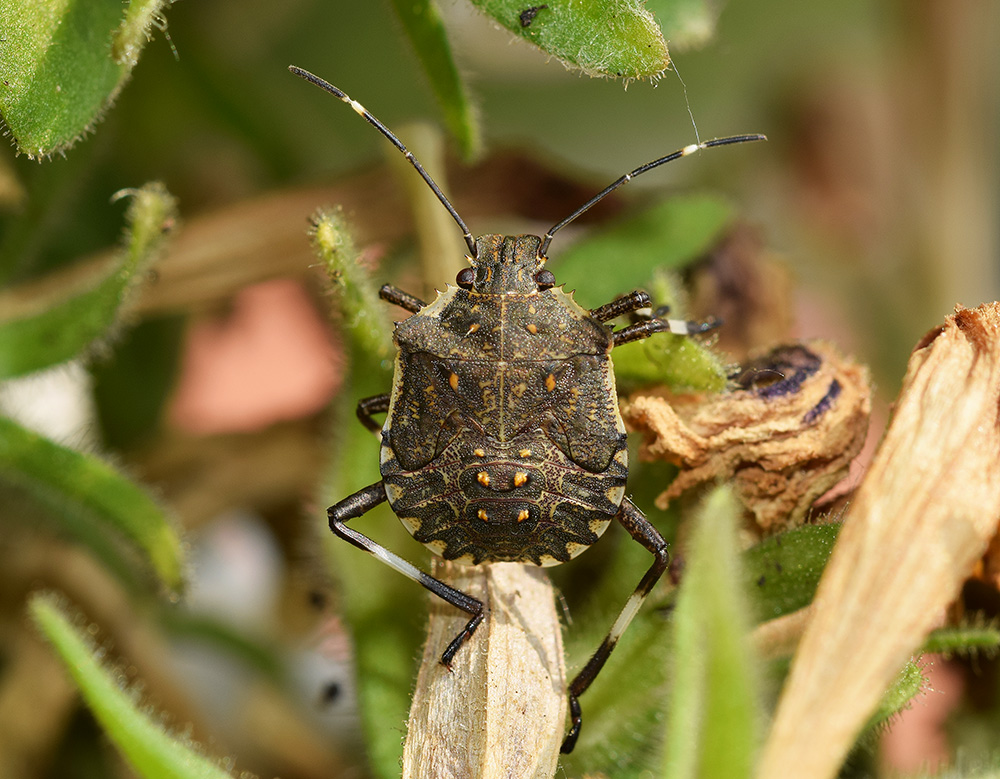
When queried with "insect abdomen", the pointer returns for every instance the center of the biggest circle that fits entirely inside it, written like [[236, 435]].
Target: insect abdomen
[[519, 501]]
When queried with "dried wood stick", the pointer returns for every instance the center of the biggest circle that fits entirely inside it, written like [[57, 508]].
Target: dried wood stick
[[501, 709]]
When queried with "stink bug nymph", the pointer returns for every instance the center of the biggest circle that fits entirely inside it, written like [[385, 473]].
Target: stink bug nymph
[[502, 440]]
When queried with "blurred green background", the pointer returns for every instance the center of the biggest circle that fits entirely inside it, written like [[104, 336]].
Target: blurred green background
[[878, 188]]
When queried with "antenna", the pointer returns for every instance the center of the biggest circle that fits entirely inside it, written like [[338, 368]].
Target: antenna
[[547, 239], [360, 109]]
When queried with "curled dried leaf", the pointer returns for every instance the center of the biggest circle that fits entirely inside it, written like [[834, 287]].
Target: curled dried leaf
[[784, 438], [919, 522]]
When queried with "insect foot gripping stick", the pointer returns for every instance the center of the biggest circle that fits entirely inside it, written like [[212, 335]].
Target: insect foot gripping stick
[[502, 440]]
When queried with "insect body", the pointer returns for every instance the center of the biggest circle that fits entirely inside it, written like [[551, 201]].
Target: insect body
[[503, 440]]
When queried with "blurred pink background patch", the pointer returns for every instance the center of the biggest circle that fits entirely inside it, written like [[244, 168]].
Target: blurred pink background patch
[[270, 359]]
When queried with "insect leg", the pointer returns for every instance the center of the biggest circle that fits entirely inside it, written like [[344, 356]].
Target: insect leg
[[377, 404], [647, 328], [399, 298], [363, 501], [632, 519], [626, 304], [633, 302]]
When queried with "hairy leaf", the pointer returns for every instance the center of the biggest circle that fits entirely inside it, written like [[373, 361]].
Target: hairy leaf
[[149, 748], [383, 609], [619, 38], [712, 719], [86, 499], [64, 62], [48, 321]]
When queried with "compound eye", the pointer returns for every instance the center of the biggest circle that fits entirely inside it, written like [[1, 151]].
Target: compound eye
[[545, 278], [465, 278]]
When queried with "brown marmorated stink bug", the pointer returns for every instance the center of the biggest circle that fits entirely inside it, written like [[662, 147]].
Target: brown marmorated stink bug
[[502, 440]]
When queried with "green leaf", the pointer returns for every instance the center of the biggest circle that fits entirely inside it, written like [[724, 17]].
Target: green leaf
[[670, 235], [781, 572], [384, 610], [619, 38], [964, 640], [712, 718], [687, 24], [422, 23], [679, 362], [85, 498], [968, 766], [909, 683], [149, 749], [676, 361], [643, 249], [63, 63], [44, 322], [364, 312]]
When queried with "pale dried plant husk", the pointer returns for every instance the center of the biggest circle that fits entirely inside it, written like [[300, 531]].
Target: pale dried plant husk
[[917, 526], [501, 709]]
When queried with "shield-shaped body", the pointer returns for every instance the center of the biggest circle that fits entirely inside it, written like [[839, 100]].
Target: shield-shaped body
[[503, 440]]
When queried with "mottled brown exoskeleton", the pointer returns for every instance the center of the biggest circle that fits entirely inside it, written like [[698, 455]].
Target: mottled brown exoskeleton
[[502, 440]]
